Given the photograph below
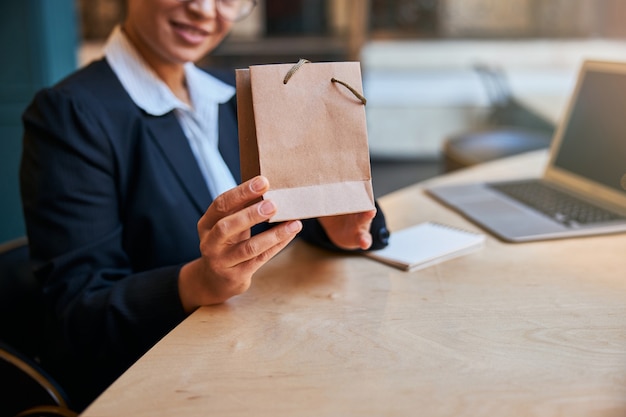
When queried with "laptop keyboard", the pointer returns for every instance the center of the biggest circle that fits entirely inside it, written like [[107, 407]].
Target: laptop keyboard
[[562, 207]]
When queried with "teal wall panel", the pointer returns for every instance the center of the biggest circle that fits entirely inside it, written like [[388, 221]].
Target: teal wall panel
[[38, 46]]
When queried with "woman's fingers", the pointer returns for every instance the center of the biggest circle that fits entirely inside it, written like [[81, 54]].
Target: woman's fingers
[[214, 279], [349, 231], [234, 254], [286, 233], [235, 200], [227, 230]]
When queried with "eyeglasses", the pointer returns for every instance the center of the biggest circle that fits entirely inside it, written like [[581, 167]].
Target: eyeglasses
[[231, 10]]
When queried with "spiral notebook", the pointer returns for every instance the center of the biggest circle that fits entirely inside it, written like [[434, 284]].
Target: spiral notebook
[[427, 244]]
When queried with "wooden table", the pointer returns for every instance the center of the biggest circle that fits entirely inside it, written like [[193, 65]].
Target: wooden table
[[533, 329]]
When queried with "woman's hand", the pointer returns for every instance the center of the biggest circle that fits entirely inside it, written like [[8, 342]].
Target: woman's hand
[[230, 255], [349, 231]]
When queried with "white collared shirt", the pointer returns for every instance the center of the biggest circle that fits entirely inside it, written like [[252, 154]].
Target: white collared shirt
[[199, 123]]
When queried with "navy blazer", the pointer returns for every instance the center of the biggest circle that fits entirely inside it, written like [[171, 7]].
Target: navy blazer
[[111, 198]]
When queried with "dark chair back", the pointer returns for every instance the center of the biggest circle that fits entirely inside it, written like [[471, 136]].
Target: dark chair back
[[21, 309], [25, 388]]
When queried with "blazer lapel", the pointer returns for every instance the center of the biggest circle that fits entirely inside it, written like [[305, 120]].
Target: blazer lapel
[[170, 138]]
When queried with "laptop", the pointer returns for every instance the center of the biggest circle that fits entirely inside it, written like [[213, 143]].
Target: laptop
[[583, 188]]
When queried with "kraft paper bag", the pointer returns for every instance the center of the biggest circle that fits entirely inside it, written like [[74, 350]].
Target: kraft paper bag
[[303, 127]]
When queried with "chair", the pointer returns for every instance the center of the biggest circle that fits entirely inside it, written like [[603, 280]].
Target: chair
[[475, 147], [21, 309], [511, 128], [26, 389]]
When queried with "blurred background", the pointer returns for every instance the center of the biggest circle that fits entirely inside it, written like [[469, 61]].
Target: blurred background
[[433, 70]]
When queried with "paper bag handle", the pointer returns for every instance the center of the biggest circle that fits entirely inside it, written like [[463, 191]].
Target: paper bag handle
[[293, 69], [301, 62], [352, 90]]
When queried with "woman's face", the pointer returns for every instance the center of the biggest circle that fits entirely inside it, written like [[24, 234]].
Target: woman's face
[[170, 32]]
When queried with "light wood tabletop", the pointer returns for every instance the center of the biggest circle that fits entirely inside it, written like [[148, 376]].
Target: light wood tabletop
[[531, 329]]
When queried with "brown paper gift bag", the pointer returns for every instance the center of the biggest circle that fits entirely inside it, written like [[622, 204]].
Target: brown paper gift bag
[[303, 127]]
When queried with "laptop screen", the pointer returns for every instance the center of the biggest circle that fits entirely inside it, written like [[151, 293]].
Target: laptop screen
[[594, 142]]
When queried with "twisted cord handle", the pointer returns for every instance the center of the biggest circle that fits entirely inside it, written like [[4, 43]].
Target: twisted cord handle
[[301, 62]]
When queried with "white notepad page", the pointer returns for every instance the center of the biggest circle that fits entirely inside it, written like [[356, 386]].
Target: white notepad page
[[426, 244]]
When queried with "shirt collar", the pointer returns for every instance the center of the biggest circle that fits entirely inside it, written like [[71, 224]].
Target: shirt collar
[[148, 91]]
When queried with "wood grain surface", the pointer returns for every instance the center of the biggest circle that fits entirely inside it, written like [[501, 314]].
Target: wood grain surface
[[532, 329]]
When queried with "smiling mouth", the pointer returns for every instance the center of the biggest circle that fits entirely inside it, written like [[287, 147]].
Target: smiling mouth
[[192, 30]]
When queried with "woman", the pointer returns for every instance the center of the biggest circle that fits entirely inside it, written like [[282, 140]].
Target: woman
[[133, 213]]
